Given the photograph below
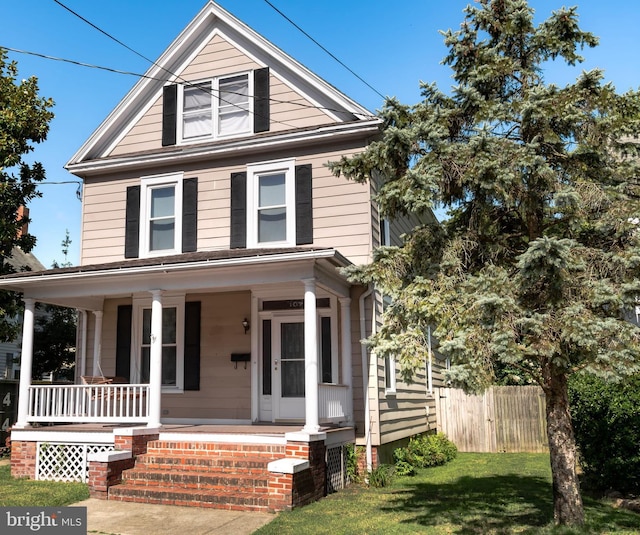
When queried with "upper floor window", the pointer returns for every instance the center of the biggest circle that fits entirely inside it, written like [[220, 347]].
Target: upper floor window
[[220, 107], [216, 108], [271, 207], [161, 214]]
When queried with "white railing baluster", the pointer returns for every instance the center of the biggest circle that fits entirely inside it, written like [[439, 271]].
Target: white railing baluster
[[332, 402], [89, 403]]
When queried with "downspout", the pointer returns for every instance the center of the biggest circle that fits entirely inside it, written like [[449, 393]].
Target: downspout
[[429, 363], [365, 377]]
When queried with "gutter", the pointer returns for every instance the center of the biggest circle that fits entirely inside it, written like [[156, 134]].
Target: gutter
[[36, 277], [224, 149]]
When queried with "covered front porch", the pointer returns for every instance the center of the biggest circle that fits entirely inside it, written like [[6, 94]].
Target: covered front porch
[[281, 320]]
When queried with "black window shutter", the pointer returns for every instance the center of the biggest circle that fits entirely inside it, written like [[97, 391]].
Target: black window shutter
[[238, 210], [266, 357], [261, 108], [192, 345], [189, 215], [123, 342], [132, 224], [169, 114], [304, 205], [325, 344]]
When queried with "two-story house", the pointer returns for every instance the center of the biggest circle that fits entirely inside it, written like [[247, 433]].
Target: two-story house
[[214, 314]]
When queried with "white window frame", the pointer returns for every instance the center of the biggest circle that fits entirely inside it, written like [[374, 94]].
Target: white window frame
[[139, 305], [254, 172], [147, 185], [332, 313], [390, 375], [215, 117]]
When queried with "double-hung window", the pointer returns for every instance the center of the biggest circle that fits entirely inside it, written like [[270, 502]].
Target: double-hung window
[[216, 108], [172, 342], [271, 214], [161, 215]]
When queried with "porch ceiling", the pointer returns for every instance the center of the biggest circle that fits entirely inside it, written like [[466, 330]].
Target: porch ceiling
[[86, 287]]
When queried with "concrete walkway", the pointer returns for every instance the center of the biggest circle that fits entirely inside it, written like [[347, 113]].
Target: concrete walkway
[[124, 518]]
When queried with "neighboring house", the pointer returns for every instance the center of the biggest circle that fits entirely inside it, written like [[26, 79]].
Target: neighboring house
[[10, 351], [210, 287]]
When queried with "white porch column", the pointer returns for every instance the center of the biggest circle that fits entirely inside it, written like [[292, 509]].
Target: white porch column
[[26, 361], [155, 360], [347, 366], [97, 343], [312, 419]]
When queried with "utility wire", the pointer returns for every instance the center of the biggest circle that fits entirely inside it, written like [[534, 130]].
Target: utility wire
[[138, 75], [324, 49], [172, 74]]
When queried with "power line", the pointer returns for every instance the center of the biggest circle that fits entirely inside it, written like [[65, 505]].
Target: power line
[[172, 74], [324, 49], [138, 75]]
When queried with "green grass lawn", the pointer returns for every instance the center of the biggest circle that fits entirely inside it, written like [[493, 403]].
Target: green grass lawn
[[474, 494], [26, 492]]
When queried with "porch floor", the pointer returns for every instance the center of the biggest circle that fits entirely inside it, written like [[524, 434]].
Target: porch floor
[[265, 429]]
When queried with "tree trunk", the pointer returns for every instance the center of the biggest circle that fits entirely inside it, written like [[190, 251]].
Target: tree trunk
[[567, 502]]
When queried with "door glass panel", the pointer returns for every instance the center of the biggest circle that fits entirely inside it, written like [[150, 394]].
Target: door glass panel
[[293, 379], [292, 363]]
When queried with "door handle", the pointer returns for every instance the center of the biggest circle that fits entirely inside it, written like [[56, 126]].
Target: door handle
[[275, 364]]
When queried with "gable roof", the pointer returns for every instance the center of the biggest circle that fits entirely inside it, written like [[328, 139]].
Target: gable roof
[[211, 20]]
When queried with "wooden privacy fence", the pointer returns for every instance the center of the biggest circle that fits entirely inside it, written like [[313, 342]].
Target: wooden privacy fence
[[503, 419]]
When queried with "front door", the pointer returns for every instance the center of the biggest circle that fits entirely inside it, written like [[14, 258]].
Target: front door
[[288, 368]]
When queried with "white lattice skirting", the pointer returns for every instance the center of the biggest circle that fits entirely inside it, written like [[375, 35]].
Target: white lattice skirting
[[57, 461], [336, 468]]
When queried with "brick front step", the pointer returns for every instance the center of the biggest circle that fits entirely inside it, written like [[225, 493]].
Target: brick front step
[[200, 474], [238, 501], [177, 462], [197, 480]]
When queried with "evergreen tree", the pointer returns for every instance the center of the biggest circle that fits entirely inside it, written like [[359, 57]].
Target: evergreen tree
[[24, 120], [536, 268]]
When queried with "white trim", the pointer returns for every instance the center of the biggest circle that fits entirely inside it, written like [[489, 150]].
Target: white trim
[[71, 437], [223, 149], [390, 389], [109, 456], [288, 466]]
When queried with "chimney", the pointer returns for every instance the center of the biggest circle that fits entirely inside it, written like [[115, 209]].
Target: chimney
[[21, 215]]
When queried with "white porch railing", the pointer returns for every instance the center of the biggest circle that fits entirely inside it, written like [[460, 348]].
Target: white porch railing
[[333, 402], [109, 403]]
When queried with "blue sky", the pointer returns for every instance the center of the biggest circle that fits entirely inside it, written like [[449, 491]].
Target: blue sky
[[391, 45]]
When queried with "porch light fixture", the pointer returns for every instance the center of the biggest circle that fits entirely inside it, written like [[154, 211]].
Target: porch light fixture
[[245, 324]]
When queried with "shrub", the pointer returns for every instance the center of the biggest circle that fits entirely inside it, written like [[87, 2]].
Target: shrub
[[606, 420], [424, 451], [381, 476], [352, 453]]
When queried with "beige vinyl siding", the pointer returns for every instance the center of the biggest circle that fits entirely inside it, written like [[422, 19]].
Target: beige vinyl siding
[[289, 109], [225, 392], [103, 219], [341, 209]]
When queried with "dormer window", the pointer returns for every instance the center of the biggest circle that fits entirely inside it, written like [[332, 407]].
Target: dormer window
[[217, 108]]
